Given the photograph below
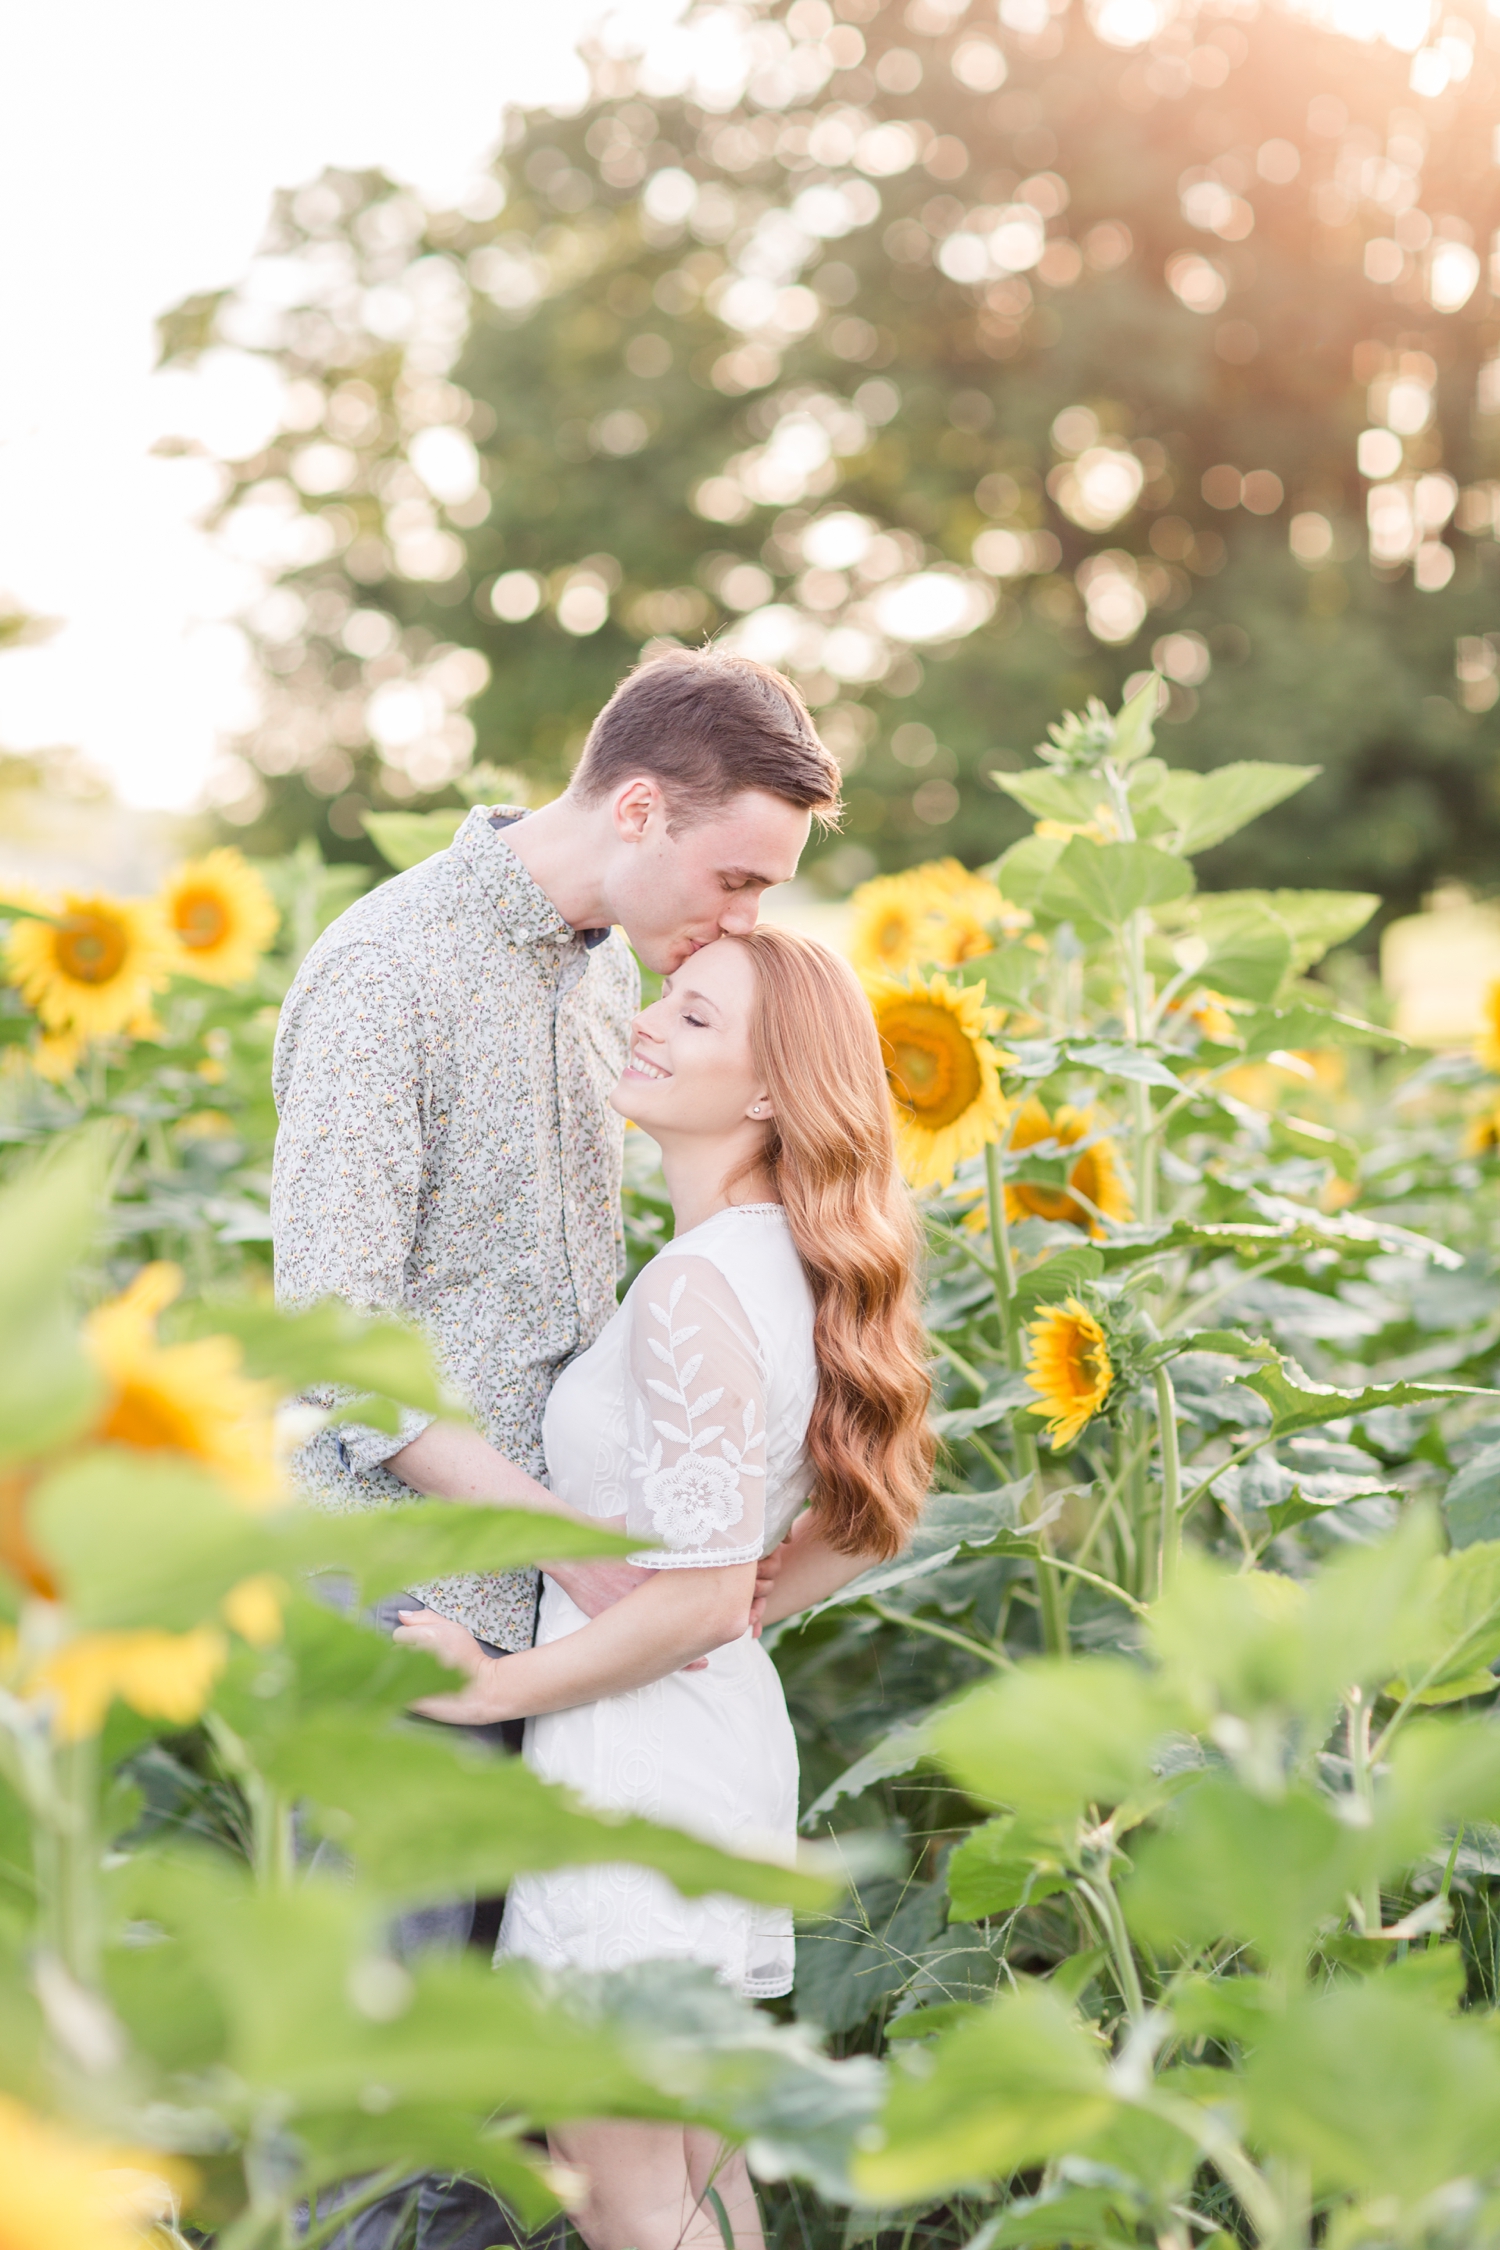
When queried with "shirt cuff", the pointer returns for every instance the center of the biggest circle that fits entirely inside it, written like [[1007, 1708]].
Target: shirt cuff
[[360, 1447], [366, 1448]]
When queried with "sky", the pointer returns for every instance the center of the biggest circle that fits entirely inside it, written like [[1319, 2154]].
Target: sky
[[140, 148]]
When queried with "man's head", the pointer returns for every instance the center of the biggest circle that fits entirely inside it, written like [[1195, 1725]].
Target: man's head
[[705, 772]]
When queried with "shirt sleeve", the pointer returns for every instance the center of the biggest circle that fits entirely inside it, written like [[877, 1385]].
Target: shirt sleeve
[[696, 1413], [347, 1171]]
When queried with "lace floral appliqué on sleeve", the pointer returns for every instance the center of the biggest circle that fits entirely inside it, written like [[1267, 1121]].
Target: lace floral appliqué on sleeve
[[697, 1420]]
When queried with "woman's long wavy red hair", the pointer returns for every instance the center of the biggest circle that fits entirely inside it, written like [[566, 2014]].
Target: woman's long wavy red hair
[[832, 1155]]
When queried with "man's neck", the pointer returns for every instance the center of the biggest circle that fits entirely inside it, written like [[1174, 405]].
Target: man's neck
[[560, 846]]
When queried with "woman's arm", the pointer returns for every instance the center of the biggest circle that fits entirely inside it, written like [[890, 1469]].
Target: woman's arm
[[453, 1463], [810, 1571], [663, 1626]]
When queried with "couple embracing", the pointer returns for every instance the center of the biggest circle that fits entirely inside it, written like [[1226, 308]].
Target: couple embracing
[[454, 1067]]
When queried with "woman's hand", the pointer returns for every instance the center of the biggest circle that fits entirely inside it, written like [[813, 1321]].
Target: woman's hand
[[454, 1645]]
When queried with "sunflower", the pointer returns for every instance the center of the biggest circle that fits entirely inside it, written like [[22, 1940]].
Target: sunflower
[[1068, 1366], [62, 2193], [1482, 1133], [92, 967], [161, 1675], [181, 1398], [1095, 1175], [943, 1072], [1487, 1048], [893, 921], [221, 917], [971, 916]]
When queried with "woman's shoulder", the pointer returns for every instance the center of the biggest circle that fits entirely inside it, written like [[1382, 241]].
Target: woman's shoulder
[[750, 1246], [743, 1236]]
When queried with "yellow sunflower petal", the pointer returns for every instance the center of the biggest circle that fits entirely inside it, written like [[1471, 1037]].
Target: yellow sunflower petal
[[93, 967], [1482, 1133], [253, 1609], [161, 1675], [220, 915], [893, 917], [1068, 1366], [1095, 1186], [1487, 1048], [57, 1055], [182, 1398], [63, 2193], [943, 1071]]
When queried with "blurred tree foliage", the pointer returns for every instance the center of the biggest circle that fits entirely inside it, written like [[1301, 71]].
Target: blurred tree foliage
[[959, 366]]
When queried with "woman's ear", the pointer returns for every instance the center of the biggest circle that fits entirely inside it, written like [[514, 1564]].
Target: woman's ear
[[760, 1109]]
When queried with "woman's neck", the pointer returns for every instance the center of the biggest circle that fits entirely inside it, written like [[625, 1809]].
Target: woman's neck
[[703, 1179]]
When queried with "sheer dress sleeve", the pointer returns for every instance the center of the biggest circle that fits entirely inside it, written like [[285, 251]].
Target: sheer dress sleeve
[[696, 1414]]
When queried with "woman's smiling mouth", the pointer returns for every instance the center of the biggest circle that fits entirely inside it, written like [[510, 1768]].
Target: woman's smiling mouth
[[640, 1067]]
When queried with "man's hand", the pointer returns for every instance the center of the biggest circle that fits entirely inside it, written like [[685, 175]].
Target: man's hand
[[765, 1579]]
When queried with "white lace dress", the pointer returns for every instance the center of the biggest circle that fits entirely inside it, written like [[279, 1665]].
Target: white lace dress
[[688, 1418]]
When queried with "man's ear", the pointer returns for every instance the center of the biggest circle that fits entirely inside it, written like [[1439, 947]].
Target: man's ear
[[634, 805]]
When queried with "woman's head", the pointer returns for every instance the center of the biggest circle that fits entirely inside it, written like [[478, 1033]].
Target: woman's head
[[764, 1047], [693, 1073]]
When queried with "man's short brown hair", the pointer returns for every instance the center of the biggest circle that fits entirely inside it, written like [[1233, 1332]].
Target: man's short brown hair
[[708, 725]]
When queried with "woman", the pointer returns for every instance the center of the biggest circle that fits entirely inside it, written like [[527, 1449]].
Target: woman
[[769, 1359]]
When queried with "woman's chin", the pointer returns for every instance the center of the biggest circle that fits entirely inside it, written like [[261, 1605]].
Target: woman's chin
[[630, 1096]]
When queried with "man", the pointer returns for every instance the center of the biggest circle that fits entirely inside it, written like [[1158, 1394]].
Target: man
[[441, 1073]]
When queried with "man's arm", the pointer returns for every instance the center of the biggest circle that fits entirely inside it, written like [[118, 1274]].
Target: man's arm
[[347, 1173], [458, 1464]]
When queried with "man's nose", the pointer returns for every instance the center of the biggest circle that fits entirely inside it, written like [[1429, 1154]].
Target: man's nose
[[741, 914]]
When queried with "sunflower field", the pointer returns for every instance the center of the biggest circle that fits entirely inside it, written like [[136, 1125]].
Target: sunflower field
[[1152, 1797]]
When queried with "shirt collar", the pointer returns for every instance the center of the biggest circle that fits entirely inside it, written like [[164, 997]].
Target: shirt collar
[[522, 908]]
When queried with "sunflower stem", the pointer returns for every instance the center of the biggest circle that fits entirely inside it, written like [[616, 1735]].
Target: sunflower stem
[[78, 1924], [1050, 1596], [1171, 1481], [1138, 1502], [1357, 1741], [1137, 1013], [1005, 1267], [909, 1624]]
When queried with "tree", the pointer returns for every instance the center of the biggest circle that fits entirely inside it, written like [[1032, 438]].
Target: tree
[[965, 371]]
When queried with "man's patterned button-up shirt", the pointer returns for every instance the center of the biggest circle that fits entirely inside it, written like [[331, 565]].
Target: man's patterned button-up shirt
[[446, 1152]]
